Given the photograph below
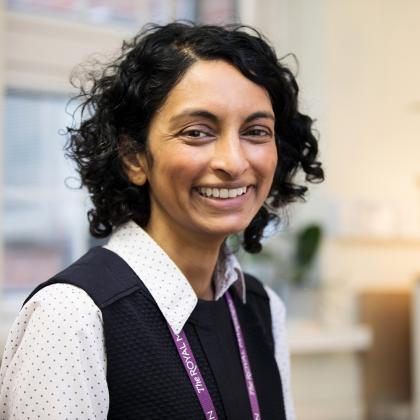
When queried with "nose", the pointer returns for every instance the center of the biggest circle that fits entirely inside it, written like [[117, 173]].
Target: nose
[[230, 156]]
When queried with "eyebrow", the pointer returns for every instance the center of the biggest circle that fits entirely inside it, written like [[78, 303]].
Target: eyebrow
[[212, 117]]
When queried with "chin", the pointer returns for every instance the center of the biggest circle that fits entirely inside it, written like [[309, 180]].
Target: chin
[[227, 230], [221, 226]]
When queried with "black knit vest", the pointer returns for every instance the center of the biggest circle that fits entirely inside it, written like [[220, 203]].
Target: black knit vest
[[145, 376]]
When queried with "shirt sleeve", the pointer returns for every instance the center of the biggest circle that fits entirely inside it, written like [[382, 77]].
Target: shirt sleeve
[[278, 316], [54, 361]]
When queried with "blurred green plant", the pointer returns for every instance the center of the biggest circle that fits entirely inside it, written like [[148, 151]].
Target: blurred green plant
[[308, 241], [289, 258]]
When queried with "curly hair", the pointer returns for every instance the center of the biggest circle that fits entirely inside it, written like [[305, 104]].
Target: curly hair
[[119, 101]]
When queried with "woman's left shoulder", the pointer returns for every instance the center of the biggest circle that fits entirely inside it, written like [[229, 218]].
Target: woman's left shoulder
[[257, 287], [277, 306]]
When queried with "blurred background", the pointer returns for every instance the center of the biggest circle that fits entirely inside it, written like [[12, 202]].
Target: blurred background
[[347, 263]]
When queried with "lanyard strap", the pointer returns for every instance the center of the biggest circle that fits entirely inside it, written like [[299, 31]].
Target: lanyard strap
[[244, 359], [197, 380], [193, 372]]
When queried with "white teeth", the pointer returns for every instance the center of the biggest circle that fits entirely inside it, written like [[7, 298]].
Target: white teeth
[[222, 192]]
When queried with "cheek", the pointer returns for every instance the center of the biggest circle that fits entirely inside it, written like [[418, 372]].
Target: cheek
[[265, 166], [180, 167], [265, 161], [272, 161]]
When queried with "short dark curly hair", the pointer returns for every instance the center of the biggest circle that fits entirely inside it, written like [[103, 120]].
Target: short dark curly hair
[[122, 97]]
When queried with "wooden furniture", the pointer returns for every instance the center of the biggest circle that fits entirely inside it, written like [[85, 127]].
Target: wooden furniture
[[387, 363]]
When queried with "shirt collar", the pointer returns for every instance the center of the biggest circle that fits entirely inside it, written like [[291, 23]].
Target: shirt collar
[[170, 289]]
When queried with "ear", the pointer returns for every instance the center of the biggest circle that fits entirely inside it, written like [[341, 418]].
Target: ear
[[135, 166]]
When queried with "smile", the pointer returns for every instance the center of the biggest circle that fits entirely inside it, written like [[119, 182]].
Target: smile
[[222, 192]]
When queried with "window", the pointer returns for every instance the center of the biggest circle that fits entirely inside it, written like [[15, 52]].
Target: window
[[44, 214]]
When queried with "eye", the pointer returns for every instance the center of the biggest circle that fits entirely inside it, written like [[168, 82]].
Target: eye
[[198, 133], [258, 133]]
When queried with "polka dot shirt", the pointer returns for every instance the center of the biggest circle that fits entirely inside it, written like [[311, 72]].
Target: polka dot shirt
[[54, 361]]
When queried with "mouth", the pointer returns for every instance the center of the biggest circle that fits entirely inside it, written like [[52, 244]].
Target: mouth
[[222, 193]]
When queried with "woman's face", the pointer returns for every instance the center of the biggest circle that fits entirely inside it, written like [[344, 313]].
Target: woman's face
[[213, 153]]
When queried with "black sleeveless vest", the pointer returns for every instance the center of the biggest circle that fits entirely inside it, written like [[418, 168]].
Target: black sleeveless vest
[[145, 377]]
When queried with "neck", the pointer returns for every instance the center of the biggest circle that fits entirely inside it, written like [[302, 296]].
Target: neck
[[195, 257]]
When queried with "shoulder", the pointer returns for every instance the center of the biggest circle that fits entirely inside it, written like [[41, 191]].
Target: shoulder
[[62, 297], [56, 307], [277, 306], [278, 319], [62, 314], [269, 308], [56, 318], [268, 301], [97, 260], [282, 356], [101, 273], [256, 287]]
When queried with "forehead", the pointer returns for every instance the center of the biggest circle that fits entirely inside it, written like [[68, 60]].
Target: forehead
[[219, 87]]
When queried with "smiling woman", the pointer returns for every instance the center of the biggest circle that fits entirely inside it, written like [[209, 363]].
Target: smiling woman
[[191, 135]]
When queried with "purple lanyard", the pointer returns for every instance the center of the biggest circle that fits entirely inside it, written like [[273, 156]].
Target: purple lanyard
[[197, 380]]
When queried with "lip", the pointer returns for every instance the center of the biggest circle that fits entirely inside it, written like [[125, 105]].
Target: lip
[[225, 203], [227, 186]]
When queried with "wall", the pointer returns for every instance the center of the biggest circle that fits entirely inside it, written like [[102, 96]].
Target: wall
[[372, 130], [359, 71]]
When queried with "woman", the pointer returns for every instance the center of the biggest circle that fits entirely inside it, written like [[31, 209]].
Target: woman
[[191, 135]]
